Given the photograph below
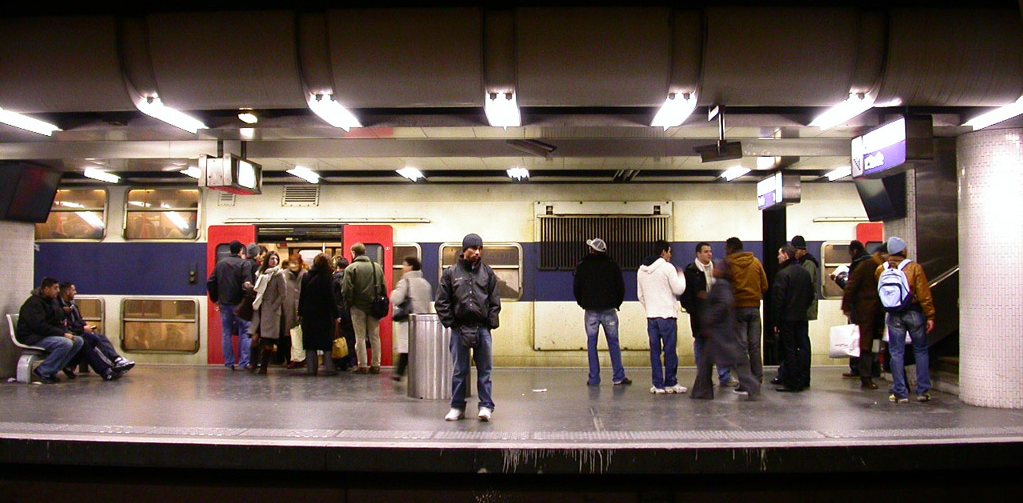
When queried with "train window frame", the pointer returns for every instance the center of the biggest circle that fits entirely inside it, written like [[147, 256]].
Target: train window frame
[[398, 263], [198, 214], [825, 273], [102, 310], [55, 209], [519, 267], [195, 321]]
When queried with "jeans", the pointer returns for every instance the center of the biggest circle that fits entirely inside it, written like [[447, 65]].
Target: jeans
[[748, 323], [483, 355], [92, 355], [795, 338], [663, 333], [61, 349], [232, 324], [914, 322], [609, 320]]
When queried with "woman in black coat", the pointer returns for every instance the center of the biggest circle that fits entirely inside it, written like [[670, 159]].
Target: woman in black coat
[[319, 314]]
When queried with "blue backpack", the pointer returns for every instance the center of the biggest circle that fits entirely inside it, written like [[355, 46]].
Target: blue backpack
[[893, 288]]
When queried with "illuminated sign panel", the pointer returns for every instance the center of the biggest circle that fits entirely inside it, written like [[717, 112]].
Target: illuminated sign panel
[[891, 148], [778, 190], [231, 174]]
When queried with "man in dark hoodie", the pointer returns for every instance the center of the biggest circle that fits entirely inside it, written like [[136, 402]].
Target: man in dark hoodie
[[469, 304], [600, 290], [41, 324], [791, 295], [750, 283]]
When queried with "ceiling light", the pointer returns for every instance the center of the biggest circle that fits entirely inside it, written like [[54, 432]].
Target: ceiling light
[[305, 174], [70, 204], [766, 162], [734, 172], [518, 174], [411, 173], [844, 111], [248, 117], [839, 173], [675, 110], [153, 107], [103, 176], [192, 171], [247, 132], [997, 115], [502, 110], [333, 112], [27, 123]]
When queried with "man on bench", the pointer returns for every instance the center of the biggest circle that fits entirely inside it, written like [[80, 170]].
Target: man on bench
[[41, 323], [99, 342]]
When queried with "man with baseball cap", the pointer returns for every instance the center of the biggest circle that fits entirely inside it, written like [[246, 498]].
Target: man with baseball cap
[[600, 290]]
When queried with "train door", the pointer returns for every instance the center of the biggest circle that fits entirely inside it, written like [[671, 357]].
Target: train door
[[217, 247], [379, 241]]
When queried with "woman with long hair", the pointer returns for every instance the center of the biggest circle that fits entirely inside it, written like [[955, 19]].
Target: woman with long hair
[[319, 314], [271, 292]]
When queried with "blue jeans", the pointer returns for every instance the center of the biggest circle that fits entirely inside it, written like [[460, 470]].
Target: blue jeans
[[914, 322], [483, 355], [724, 373], [232, 324], [61, 349], [663, 334], [609, 320]]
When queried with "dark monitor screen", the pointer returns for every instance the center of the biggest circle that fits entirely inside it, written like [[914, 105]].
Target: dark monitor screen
[[883, 199], [28, 191]]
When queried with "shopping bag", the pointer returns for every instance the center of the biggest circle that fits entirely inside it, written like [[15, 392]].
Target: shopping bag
[[845, 341], [340, 348]]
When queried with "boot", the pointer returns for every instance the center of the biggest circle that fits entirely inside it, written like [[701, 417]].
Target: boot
[[867, 383], [264, 359]]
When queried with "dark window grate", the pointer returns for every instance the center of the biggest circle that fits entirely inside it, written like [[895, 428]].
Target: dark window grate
[[629, 238]]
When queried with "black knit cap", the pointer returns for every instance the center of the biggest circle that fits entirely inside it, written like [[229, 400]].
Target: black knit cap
[[470, 241], [799, 243]]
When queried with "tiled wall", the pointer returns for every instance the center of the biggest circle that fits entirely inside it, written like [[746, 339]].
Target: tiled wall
[[991, 258], [16, 248]]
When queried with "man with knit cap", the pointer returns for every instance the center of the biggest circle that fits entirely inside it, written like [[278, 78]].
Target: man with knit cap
[[812, 266], [468, 303], [658, 285], [600, 290], [750, 283], [915, 316]]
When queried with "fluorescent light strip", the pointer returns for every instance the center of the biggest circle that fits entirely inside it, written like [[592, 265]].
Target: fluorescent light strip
[[997, 115], [844, 111], [27, 123], [734, 172], [305, 174], [177, 219], [675, 110], [839, 173], [91, 218], [766, 162], [518, 173], [247, 132], [502, 110], [153, 107], [192, 171], [333, 112], [248, 117], [411, 173], [103, 176]]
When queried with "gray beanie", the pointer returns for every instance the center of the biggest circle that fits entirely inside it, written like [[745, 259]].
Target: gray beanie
[[252, 251], [470, 241], [896, 245]]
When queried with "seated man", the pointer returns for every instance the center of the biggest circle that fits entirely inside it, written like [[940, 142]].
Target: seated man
[[77, 325], [41, 324]]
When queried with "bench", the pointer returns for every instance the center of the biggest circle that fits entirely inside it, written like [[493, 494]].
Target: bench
[[29, 354]]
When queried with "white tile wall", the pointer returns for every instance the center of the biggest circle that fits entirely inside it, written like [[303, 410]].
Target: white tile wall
[[16, 248], [990, 166]]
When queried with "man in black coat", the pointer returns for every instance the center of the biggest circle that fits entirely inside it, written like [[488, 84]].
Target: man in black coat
[[41, 324], [792, 293], [699, 280], [600, 290]]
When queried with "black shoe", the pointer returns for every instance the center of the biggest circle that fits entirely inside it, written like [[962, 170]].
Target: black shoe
[[113, 375], [777, 380], [70, 373], [624, 382], [123, 366], [51, 379]]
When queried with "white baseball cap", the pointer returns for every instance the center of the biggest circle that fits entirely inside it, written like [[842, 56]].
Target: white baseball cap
[[597, 244]]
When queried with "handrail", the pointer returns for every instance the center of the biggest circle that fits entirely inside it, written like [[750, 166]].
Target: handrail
[[944, 276]]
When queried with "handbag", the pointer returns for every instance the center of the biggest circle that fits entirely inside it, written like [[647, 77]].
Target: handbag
[[403, 310], [245, 310], [381, 304], [339, 349], [845, 341]]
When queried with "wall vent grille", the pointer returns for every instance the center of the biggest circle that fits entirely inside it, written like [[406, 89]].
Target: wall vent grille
[[629, 239], [226, 199], [301, 195]]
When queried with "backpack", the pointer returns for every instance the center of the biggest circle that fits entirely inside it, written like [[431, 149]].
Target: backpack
[[893, 288]]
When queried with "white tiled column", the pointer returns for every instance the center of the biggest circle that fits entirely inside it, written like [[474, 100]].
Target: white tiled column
[[17, 242], [991, 268]]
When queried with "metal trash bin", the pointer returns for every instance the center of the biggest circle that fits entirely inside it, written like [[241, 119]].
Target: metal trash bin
[[429, 358]]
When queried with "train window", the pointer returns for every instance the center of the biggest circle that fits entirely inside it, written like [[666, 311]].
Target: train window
[[504, 258], [92, 311], [833, 256], [77, 214], [400, 252], [159, 325], [162, 214]]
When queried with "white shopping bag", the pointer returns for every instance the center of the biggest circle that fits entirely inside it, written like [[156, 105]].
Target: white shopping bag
[[845, 341]]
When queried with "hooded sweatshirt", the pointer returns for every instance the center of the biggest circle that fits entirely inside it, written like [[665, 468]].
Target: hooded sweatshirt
[[658, 285], [748, 279]]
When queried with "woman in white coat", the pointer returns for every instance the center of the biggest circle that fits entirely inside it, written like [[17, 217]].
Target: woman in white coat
[[415, 290]]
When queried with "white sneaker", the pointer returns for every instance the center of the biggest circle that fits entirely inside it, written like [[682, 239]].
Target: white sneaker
[[676, 389], [485, 414], [657, 391], [454, 415]]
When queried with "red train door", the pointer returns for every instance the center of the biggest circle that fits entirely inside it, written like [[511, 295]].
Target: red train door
[[379, 241], [219, 238]]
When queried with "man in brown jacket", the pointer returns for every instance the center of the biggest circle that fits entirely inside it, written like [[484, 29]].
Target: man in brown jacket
[[750, 283], [863, 307]]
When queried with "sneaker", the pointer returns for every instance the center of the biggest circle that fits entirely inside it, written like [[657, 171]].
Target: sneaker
[[677, 389], [740, 391], [731, 383], [362, 370], [455, 415], [624, 382], [926, 397], [374, 370], [657, 391], [485, 414], [123, 366], [893, 398], [112, 375]]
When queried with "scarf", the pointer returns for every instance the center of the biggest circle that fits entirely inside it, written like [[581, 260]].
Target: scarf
[[261, 282], [708, 271]]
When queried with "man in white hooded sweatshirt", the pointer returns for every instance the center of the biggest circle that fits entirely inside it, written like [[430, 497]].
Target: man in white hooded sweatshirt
[[658, 286]]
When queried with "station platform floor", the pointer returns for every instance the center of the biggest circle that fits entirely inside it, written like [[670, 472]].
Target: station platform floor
[[546, 421]]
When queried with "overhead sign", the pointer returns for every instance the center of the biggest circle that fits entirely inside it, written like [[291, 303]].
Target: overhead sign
[[778, 190], [892, 147], [231, 174]]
